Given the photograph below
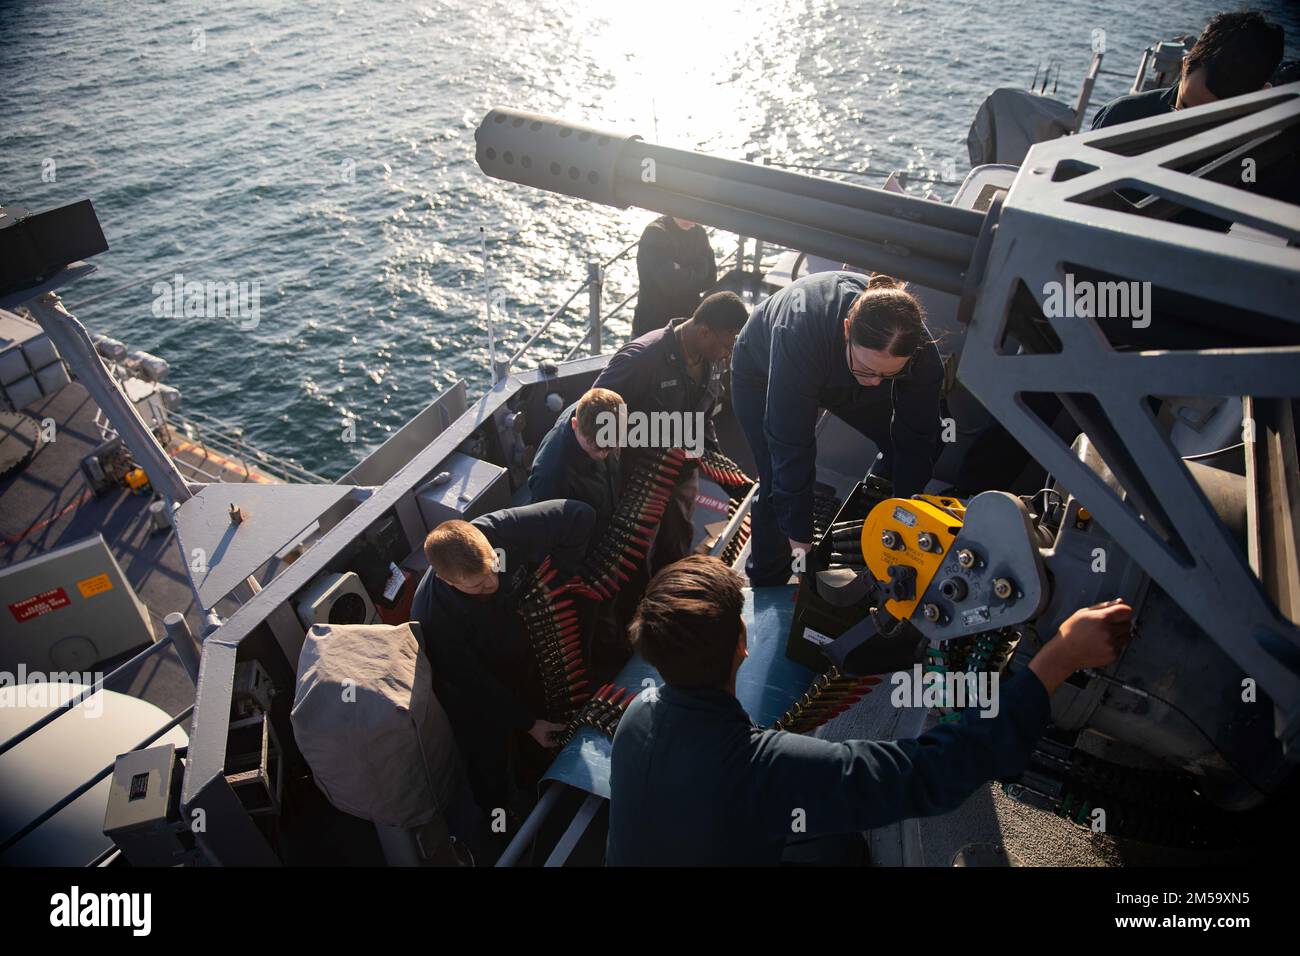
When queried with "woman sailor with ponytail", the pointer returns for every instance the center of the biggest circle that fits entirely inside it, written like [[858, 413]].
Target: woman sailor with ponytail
[[856, 346]]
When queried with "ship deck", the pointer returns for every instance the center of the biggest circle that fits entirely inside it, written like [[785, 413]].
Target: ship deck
[[50, 503]]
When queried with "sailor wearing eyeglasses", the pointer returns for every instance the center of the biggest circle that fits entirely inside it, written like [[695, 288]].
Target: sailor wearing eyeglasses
[[857, 346]]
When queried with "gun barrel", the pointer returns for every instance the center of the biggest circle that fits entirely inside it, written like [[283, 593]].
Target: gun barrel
[[916, 239]]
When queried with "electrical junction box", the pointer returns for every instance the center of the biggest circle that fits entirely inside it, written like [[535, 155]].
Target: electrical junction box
[[69, 609], [143, 815]]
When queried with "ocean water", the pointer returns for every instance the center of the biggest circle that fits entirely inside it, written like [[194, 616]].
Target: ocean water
[[325, 152]]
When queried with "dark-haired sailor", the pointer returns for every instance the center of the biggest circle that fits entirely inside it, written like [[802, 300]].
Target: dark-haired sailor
[[694, 783], [1235, 54], [858, 347], [677, 369]]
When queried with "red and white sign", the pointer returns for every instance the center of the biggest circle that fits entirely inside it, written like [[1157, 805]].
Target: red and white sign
[[39, 604]]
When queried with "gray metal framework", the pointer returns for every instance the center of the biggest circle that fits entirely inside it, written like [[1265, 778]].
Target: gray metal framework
[[230, 836], [1063, 211]]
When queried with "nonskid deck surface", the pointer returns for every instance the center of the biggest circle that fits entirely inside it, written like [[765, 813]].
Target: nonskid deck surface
[[1031, 836], [49, 504]]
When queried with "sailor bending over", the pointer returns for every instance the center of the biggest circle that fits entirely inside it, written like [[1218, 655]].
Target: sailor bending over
[[467, 603]]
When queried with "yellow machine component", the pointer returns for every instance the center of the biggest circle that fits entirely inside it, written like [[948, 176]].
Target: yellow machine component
[[910, 532], [136, 479]]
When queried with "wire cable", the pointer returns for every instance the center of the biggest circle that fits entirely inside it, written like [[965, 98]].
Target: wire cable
[[1139, 692]]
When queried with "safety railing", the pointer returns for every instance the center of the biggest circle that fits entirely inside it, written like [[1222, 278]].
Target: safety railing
[[211, 434], [596, 316], [629, 299]]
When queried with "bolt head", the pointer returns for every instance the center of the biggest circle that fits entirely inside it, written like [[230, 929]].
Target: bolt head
[[966, 558]]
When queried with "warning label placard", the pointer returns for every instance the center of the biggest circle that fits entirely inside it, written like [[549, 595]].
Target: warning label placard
[[39, 604], [96, 585]]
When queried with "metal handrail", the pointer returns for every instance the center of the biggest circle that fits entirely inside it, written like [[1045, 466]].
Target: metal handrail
[[586, 283], [211, 443], [626, 249], [262, 460], [196, 472], [210, 432], [218, 439], [586, 336], [107, 858], [547, 324]]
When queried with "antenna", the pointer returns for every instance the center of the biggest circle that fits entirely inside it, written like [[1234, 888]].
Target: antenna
[[487, 304]]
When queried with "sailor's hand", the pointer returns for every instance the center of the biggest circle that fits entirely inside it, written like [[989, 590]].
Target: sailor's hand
[[1090, 637], [543, 730]]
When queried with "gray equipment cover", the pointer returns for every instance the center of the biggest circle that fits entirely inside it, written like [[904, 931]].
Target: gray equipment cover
[[1010, 121], [366, 719]]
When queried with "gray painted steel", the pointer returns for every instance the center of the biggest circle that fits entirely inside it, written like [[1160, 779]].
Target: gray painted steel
[[998, 530], [1162, 519], [73, 342], [221, 553], [204, 784]]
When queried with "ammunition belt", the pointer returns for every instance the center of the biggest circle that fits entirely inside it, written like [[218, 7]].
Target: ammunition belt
[[846, 542], [829, 695], [987, 651], [551, 623], [601, 713], [825, 508], [627, 539], [1149, 806], [721, 469]]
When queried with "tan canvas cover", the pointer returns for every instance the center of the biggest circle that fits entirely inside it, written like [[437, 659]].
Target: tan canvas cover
[[1010, 121], [367, 722]]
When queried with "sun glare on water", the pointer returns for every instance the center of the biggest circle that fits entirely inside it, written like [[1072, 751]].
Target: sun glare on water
[[673, 69]]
